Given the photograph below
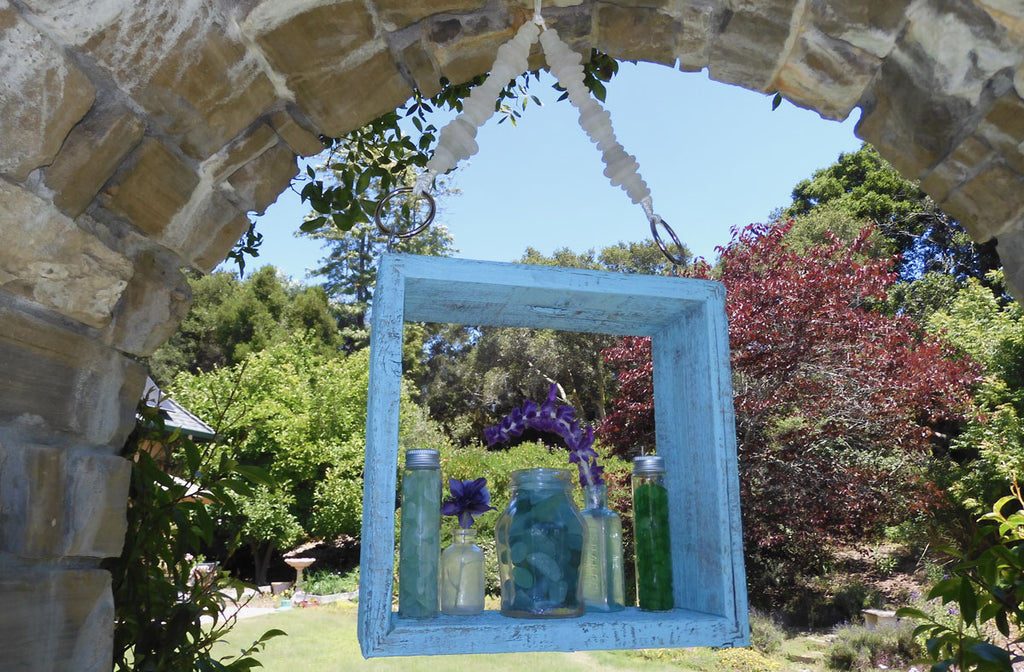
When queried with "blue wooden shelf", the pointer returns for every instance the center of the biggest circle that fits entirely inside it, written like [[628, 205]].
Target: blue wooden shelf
[[695, 432]]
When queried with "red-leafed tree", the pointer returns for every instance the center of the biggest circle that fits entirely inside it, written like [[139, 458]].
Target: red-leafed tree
[[837, 406]]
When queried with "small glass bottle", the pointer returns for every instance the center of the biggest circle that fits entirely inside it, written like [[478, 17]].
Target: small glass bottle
[[539, 541], [651, 533], [462, 575], [419, 546], [601, 574]]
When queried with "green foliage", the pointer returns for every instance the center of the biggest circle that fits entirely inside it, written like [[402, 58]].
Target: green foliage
[[766, 636], [986, 589], [230, 319], [859, 648], [323, 582], [159, 593], [301, 416]]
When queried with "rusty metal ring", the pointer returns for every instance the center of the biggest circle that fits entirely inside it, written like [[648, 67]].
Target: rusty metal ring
[[411, 232], [678, 260]]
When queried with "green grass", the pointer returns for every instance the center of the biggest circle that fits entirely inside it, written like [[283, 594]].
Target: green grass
[[323, 639]]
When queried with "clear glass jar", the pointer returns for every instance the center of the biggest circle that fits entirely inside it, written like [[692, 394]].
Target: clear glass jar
[[601, 573], [539, 540], [651, 532], [419, 544], [462, 575]]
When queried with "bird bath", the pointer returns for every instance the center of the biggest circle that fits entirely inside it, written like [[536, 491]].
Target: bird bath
[[299, 564]]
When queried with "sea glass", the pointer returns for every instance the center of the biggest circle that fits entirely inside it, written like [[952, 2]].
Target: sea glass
[[539, 540], [419, 546], [601, 573], [652, 537]]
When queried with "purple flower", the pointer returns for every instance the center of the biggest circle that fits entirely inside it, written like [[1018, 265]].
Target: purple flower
[[468, 498], [554, 419]]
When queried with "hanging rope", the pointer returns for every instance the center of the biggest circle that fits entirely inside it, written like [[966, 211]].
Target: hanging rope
[[457, 140]]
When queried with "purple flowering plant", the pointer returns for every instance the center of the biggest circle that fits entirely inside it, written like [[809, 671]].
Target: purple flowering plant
[[468, 498], [552, 418]]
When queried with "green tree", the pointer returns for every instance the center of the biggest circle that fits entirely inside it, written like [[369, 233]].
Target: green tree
[[863, 187], [300, 416], [230, 319]]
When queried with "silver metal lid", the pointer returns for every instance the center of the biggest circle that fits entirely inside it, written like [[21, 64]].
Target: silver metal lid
[[648, 464], [416, 458]]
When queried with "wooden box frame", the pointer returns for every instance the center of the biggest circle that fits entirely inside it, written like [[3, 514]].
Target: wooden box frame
[[686, 321]]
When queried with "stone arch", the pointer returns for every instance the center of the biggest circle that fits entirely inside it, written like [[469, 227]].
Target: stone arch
[[134, 137]]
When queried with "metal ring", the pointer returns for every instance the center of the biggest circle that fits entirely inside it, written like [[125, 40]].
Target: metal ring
[[411, 232], [677, 260]]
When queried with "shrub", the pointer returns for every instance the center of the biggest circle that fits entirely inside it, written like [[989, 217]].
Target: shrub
[[859, 648], [325, 582], [765, 635], [746, 660]]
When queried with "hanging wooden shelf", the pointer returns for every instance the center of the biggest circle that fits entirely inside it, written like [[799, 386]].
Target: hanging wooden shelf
[[695, 434]]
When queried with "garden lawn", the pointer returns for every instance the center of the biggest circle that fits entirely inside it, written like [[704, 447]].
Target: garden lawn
[[323, 639]]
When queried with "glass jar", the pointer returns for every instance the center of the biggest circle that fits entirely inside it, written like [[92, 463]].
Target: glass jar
[[651, 533], [601, 573], [462, 575], [419, 545], [539, 540]]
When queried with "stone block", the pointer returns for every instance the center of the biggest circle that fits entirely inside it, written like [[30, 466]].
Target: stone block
[[89, 157], [467, 48], [154, 303], [303, 141], [1010, 246], [869, 25], [58, 502], [1010, 13], [341, 75], [57, 621], [752, 42], [96, 495], [642, 34], [397, 14], [187, 68], [965, 162], [1003, 129], [421, 68], [825, 74], [950, 65], [240, 152], [989, 203], [152, 188], [699, 26], [50, 260], [348, 97], [42, 96], [61, 383], [261, 181], [220, 243]]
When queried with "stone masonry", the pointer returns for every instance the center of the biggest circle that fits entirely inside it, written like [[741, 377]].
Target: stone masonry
[[135, 136]]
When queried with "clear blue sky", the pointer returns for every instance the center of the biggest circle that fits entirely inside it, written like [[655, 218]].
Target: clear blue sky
[[714, 156]]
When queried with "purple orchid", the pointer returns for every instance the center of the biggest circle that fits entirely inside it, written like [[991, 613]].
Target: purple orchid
[[555, 419], [468, 499]]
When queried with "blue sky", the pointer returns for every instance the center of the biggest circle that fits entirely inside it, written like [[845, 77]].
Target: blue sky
[[714, 156]]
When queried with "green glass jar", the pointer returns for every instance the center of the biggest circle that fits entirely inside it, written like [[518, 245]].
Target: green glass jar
[[539, 541], [651, 533], [419, 544]]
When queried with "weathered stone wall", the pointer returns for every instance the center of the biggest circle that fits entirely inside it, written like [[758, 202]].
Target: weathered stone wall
[[135, 135]]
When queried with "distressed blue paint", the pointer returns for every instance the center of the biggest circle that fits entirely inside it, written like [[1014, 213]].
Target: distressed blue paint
[[695, 433]]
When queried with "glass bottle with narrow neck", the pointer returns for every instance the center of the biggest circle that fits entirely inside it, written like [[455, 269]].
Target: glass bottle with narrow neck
[[462, 575], [601, 573], [419, 545], [651, 533]]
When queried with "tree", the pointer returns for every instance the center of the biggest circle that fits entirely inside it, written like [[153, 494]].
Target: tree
[[230, 318], [300, 416], [837, 406], [863, 187]]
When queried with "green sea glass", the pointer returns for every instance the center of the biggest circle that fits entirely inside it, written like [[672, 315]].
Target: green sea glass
[[419, 549], [653, 553]]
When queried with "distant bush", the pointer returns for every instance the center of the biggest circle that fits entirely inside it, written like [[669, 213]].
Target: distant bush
[[858, 648], [325, 582], [746, 660], [765, 635]]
